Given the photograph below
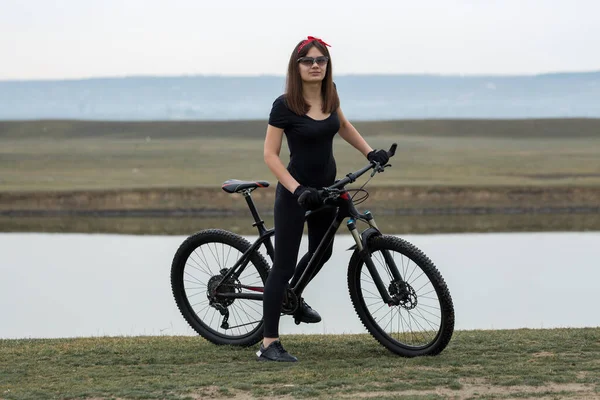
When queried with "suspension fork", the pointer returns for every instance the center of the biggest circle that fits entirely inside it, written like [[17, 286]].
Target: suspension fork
[[389, 260], [362, 246], [366, 256]]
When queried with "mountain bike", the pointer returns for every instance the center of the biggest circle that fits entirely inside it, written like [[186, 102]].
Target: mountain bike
[[218, 277]]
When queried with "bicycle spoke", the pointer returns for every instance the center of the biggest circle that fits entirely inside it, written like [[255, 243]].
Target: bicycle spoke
[[382, 305], [246, 324], [202, 258], [195, 294], [413, 271], [212, 253], [375, 295], [196, 280], [250, 304], [429, 312], [236, 318], [198, 266], [428, 306], [431, 325]]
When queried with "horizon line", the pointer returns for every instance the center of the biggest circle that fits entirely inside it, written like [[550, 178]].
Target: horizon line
[[282, 76]]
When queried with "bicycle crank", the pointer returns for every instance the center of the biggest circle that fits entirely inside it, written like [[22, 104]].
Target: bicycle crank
[[290, 303]]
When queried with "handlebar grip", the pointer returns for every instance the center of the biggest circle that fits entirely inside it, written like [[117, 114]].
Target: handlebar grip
[[392, 150]]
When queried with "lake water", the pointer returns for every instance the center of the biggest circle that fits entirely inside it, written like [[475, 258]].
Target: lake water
[[73, 285]]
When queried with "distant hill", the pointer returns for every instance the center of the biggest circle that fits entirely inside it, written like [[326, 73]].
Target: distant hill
[[364, 97], [571, 128]]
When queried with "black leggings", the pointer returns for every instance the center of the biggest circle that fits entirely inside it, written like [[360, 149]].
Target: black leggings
[[289, 227]]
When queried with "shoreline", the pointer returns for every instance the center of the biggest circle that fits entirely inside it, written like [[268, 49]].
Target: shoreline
[[392, 224], [385, 200]]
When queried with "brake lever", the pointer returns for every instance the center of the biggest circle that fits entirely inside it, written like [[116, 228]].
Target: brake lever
[[330, 193], [325, 194], [379, 168]]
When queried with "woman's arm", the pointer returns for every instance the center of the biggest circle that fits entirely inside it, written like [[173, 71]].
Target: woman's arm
[[349, 133], [272, 148]]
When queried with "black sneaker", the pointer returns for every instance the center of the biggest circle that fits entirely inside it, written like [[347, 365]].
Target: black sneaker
[[275, 352], [306, 314]]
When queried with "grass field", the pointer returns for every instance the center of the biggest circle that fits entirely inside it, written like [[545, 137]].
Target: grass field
[[530, 364], [80, 163]]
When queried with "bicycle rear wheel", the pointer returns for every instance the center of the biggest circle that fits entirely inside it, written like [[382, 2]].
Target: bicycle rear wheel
[[198, 267], [423, 321]]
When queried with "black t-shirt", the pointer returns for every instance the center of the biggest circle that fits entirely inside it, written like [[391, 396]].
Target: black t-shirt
[[310, 143]]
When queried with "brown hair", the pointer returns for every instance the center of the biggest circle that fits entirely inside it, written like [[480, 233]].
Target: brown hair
[[293, 91]]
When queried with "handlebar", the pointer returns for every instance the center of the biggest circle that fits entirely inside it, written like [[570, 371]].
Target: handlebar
[[351, 177], [333, 190]]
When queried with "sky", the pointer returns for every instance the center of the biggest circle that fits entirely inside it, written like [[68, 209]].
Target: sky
[[75, 39]]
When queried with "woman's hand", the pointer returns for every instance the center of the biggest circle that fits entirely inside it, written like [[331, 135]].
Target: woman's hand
[[308, 197], [380, 156]]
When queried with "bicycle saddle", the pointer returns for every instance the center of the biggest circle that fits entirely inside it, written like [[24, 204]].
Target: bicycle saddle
[[235, 185]]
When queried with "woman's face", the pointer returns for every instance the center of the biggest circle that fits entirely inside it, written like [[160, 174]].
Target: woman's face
[[313, 66]]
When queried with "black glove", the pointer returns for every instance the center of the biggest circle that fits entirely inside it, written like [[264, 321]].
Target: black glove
[[308, 197], [380, 156]]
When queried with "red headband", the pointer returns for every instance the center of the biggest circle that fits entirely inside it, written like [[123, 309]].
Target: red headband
[[311, 39]]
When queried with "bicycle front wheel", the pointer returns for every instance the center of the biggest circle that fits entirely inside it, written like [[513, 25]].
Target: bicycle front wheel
[[197, 273], [422, 322]]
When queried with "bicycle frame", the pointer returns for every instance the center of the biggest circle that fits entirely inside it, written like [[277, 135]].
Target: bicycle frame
[[345, 209]]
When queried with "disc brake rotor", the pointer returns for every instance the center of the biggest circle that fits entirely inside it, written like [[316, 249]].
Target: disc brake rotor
[[403, 294]]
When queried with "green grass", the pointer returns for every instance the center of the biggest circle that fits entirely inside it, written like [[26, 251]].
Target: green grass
[[105, 163], [551, 363]]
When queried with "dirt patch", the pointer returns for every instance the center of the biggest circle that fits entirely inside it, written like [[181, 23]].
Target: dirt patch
[[560, 176], [214, 392], [471, 389], [543, 354], [481, 390]]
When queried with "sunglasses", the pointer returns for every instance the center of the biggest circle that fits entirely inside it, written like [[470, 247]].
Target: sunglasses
[[309, 61]]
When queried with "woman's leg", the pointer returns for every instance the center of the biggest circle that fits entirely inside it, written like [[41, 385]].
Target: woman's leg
[[318, 224], [289, 226]]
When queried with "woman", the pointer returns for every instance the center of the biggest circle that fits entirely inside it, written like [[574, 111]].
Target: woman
[[309, 115]]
